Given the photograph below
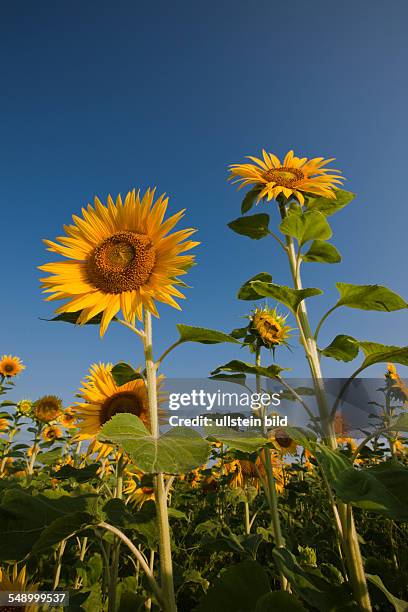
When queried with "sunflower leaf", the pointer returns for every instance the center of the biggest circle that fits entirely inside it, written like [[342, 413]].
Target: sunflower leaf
[[382, 353], [329, 206], [321, 251], [369, 297], [123, 373], [249, 199], [247, 292], [400, 605], [236, 367], [286, 295], [253, 226], [342, 348], [203, 335], [72, 317], [179, 450], [310, 225]]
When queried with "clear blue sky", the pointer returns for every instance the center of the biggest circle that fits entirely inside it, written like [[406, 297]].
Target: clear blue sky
[[98, 97]]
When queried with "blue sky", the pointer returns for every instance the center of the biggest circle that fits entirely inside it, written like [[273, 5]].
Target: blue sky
[[100, 97]]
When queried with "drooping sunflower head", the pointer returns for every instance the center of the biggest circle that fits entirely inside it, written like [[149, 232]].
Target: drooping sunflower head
[[103, 398], [10, 366], [119, 257], [282, 441], [51, 433], [47, 408], [398, 388], [137, 493], [292, 178], [4, 424], [269, 327]]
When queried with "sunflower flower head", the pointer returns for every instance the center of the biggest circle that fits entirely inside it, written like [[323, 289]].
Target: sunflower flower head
[[102, 398], [399, 389], [16, 581], [269, 327], [4, 424], [25, 406], [10, 366], [138, 494], [51, 433], [68, 419], [293, 177], [47, 408], [119, 257], [282, 441]]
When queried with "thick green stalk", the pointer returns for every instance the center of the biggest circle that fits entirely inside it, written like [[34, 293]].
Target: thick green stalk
[[343, 511], [166, 564], [272, 494], [116, 543]]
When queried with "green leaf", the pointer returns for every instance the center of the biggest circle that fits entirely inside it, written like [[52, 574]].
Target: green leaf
[[382, 353], [237, 589], [123, 373], [72, 317], [62, 528], [24, 517], [279, 601], [245, 442], [236, 366], [333, 462], [253, 226], [400, 423], [312, 586], [179, 450], [81, 475], [203, 335], [311, 225], [342, 348], [49, 457], [286, 295], [382, 489], [249, 200], [329, 206], [247, 292], [322, 252], [369, 297], [400, 605]]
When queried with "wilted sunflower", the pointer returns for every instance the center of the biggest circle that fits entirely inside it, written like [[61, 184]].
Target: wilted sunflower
[[52, 432], [102, 399], [120, 257], [269, 327], [47, 408], [10, 366], [282, 441], [294, 177], [17, 582], [138, 494], [399, 388]]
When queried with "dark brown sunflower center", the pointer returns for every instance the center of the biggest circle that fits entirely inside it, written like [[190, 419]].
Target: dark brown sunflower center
[[285, 177], [282, 439], [9, 368], [124, 401], [122, 262]]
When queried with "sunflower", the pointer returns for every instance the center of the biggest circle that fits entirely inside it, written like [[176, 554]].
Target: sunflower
[[269, 327], [282, 441], [47, 408], [68, 419], [52, 432], [17, 582], [4, 424], [102, 399], [399, 388], [10, 366], [138, 495], [294, 177], [341, 430], [24, 406], [120, 257]]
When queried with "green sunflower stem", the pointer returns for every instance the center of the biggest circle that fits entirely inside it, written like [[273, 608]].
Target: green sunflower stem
[[348, 533], [166, 564], [113, 579], [272, 494]]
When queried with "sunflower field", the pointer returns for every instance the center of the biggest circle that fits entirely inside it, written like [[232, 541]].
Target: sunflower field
[[107, 504]]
